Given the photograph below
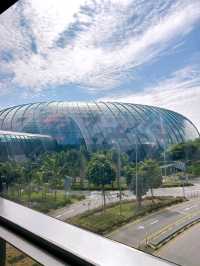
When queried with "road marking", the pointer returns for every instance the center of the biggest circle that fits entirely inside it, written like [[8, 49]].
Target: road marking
[[68, 212], [191, 207], [151, 235], [167, 227], [64, 213], [154, 222], [140, 227]]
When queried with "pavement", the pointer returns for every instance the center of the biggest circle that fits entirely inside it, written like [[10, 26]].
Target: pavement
[[93, 199], [184, 249], [138, 232]]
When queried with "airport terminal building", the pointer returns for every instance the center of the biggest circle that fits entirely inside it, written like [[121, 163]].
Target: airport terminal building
[[97, 125]]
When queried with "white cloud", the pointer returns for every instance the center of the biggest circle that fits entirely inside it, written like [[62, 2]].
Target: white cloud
[[109, 38], [47, 20], [179, 92]]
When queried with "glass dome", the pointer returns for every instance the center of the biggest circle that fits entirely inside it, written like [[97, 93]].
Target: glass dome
[[98, 124]]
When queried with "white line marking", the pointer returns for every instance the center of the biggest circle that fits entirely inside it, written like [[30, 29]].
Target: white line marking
[[191, 207], [155, 222], [68, 211], [140, 227], [64, 213]]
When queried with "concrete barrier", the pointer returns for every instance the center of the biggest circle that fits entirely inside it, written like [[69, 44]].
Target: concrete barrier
[[161, 239]]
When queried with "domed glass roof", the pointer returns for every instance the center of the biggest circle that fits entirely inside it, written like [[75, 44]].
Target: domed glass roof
[[98, 124]]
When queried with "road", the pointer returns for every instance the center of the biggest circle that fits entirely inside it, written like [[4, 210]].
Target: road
[[136, 233], [181, 250], [94, 199], [184, 249]]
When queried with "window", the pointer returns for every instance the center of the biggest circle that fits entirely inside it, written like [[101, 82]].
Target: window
[[99, 119]]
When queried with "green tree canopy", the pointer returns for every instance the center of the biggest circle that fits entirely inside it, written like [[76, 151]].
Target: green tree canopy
[[189, 150], [139, 184], [148, 177], [100, 172], [150, 169]]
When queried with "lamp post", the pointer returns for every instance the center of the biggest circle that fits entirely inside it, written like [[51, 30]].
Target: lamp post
[[136, 170], [119, 174], [136, 164], [163, 132]]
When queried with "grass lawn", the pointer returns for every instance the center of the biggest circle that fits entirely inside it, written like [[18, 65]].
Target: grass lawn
[[43, 204], [174, 181], [104, 222], [15, 257]]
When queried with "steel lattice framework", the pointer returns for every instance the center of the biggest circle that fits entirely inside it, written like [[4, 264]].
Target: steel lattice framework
[[97, 124]]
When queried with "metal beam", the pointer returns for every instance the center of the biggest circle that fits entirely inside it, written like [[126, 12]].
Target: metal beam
[[37, 234], [2, 252]]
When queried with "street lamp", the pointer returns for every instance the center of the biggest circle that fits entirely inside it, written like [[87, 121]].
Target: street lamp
[[136, 170], [163, 132], [118, 173], [136, 164]]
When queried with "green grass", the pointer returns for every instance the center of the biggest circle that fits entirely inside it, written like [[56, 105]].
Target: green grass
[[15, 257], [174, 181], [44, 203], [176, 184], [104, 222], [87, 186]]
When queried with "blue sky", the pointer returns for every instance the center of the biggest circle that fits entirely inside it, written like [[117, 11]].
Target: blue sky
[[116, 50]]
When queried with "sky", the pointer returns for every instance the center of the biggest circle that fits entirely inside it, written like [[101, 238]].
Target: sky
[[136, 51]]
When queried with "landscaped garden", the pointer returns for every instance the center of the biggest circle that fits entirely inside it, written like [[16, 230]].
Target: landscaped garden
[[104, 221], [43, 203]]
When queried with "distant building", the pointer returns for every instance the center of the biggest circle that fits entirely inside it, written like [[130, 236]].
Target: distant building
[[18, 146], [99, 124]]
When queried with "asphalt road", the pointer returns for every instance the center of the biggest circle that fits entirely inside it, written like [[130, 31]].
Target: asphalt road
[[181, 250], [184, 249], [94, 199], [136, 233]]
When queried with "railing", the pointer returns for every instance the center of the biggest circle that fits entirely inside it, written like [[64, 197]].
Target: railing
[[52, 242]]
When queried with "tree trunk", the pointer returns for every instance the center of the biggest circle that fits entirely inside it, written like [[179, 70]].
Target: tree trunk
[[55, 194], [104, 198], [88, 185], [139, 201], [29, 192], [152, 195], [20, 190]]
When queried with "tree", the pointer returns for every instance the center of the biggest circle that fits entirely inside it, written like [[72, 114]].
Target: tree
[[52, 170], [150, 169], [100, 172], [184, 151], [11, 172], [148, 177], [194, 168], [139, 186], [112, 155], [73, 163], [29, 170]]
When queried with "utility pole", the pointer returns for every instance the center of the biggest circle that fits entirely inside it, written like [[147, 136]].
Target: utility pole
[[136, 169], [119, 175]]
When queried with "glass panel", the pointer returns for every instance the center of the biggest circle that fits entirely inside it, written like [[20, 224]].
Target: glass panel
[[17, 258], [99, 119]]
